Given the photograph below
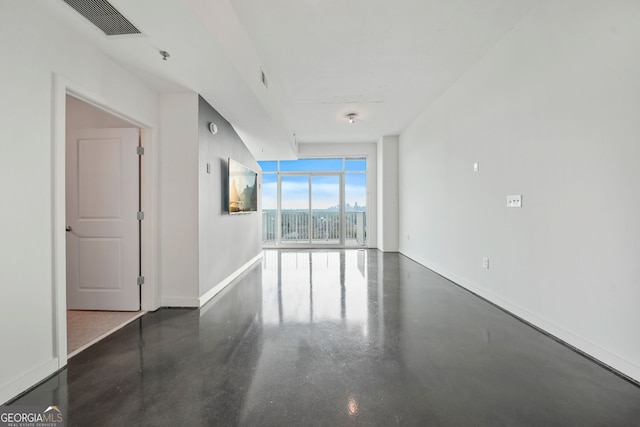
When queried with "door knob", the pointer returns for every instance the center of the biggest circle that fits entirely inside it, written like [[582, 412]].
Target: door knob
[[68, 228]]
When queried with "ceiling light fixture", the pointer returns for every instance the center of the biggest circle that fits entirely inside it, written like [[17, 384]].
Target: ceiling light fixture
[[352, 117]]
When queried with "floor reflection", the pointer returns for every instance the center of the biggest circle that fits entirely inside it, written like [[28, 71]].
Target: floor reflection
[[309, 287], [335, 337], [315, 337]]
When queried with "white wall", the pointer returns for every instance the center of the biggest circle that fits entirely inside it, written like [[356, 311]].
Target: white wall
[[320, 150], [551, 113], [34, 48], [388, 178], [179, 261]]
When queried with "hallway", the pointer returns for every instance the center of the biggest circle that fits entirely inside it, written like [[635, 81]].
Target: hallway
[[336, 337]]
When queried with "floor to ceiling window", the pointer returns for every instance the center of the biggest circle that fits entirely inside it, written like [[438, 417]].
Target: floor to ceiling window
[[314, 202]]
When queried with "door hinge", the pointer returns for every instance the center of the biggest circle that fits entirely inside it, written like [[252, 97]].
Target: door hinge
[[140, 150], [140, 215], [140, 280]]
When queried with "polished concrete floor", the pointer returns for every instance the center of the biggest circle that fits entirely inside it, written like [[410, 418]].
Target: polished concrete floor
[[333, 338]]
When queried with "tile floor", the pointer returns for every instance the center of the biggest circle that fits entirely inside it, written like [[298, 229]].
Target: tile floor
[[336, 338], [85, 328]]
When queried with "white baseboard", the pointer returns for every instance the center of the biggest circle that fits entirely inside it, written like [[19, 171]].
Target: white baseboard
[[179, 302], [600, 354], [28, 380], [223, 284]]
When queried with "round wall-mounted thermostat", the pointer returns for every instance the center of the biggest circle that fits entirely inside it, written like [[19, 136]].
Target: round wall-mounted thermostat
[[213, 128]]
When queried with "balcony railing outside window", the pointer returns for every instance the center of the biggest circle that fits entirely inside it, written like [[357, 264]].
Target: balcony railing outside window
[[325, 227]]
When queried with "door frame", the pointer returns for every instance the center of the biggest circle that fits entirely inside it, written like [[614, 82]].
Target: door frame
[[149, 164]]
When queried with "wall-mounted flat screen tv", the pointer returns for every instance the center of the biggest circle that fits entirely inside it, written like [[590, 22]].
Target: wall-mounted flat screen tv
[[243, 188]]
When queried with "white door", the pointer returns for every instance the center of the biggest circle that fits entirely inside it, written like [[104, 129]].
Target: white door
[[102, 201]]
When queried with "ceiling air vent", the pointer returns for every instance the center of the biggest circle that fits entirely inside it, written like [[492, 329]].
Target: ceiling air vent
[[104, 16]]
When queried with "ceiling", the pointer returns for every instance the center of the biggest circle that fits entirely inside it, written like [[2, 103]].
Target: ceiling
[[385, 61]]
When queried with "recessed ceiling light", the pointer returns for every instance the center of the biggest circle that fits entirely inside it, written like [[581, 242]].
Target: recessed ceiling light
[[352, 117]]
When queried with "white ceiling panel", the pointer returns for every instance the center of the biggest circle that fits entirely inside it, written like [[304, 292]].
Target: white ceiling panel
[[385, 60]]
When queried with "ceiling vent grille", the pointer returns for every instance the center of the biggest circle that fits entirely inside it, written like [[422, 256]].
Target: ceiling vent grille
[[104, 16]]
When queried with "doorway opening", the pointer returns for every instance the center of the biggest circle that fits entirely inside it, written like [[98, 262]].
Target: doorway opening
[[103, 229]]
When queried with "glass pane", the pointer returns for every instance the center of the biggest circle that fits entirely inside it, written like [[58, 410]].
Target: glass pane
[[325, 205], [268, 166], [311, 165], [356, 165], [355, 199], [295, 209], [269, 209]]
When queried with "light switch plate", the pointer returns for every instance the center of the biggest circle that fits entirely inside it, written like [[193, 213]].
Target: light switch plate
[[476, 167], [514, 201]]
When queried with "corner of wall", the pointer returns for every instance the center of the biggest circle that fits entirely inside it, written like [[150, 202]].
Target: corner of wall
[[388, 182], [178, 195]]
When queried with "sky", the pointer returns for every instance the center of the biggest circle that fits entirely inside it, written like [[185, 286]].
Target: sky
[[326, 189]]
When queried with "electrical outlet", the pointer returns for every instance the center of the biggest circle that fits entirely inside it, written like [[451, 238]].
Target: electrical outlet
[[514, 201], [485, 263]]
